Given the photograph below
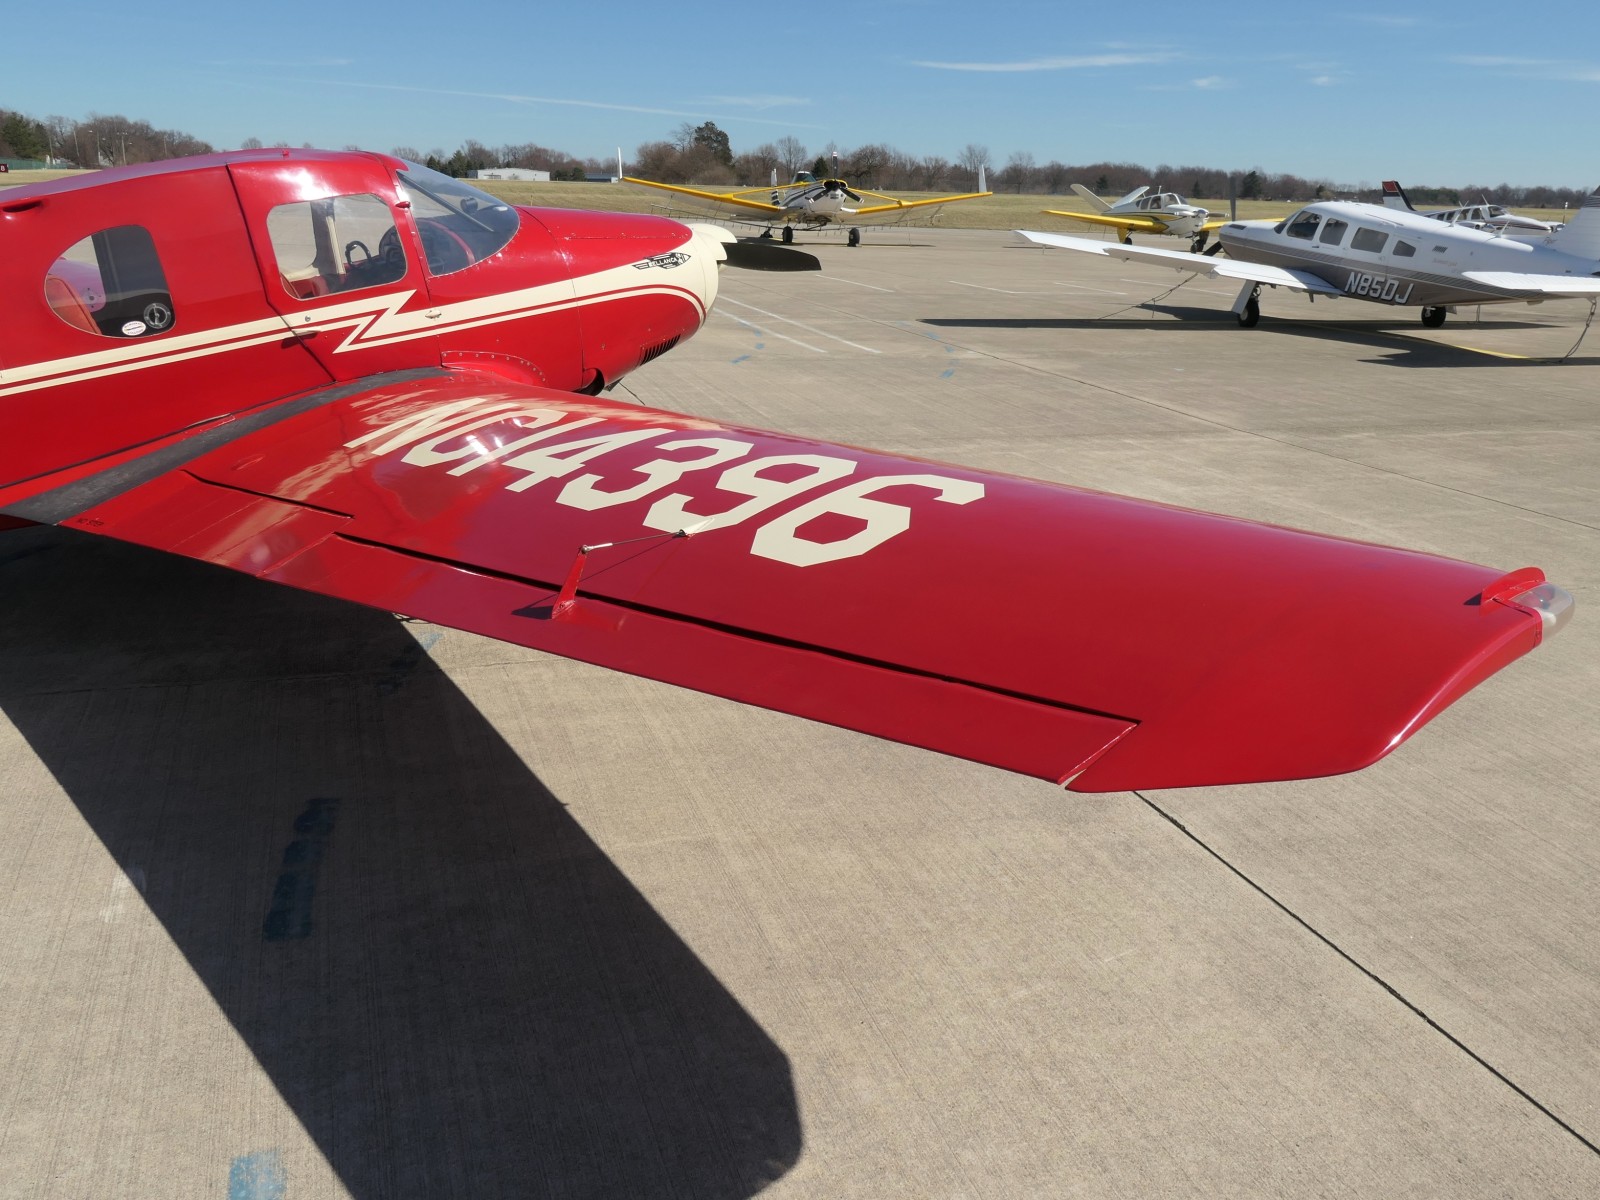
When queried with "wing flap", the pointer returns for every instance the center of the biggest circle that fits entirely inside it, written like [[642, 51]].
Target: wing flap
[[1537, 285], [1040, 628]]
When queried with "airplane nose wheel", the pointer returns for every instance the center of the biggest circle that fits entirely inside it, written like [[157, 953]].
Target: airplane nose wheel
[[854, 239], [1432, 318], [788, 235]]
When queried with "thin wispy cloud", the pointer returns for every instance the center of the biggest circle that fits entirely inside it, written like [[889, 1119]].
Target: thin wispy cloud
[[1387, 20], [1565, 70], [1211, 83], [564, 101], [305, 64], [1323, 74], [757, 101], [1076, 62]]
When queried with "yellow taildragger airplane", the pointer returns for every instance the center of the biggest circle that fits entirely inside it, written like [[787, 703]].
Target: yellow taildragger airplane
[[813, 203], [1158, 212]]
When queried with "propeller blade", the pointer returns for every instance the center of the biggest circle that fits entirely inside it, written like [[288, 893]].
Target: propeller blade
[[758, 255]]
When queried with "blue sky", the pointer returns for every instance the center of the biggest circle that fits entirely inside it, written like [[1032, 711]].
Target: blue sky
[[1436, 94]]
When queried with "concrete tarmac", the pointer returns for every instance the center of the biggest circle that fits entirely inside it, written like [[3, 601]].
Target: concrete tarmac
[[299, 900]]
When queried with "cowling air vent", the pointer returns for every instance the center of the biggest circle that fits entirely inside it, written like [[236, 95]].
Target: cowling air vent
[[656, 351]]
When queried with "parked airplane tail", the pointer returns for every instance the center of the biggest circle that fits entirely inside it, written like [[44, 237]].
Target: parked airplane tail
[[1394, 196], [1095, 202], [1580, 235]]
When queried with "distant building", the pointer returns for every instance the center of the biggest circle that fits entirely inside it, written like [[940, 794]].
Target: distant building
[[521, 173]]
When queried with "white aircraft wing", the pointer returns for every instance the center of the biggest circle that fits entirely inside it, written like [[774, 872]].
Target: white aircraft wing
[[1536, 286], [1199, 264]]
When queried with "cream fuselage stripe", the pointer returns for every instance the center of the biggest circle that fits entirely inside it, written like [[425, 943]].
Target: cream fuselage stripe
[[377, 319]]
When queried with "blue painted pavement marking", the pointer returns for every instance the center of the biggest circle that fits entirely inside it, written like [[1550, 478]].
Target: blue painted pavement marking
[[406, 663], [289, 916], [258, 1176]]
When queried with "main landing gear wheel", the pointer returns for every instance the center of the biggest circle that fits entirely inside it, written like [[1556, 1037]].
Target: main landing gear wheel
[[788, 235], [1127, 239], [855, 237], [1433, 317], [766, 234], [1250, 316]]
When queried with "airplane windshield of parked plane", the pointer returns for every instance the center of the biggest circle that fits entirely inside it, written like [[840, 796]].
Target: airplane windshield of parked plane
[[459, 224]]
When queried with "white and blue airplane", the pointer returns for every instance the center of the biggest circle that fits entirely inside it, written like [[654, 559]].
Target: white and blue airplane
[[1338, 248]]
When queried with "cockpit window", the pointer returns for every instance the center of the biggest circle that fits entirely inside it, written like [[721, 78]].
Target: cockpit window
[[458, 224], [337, 244], [111, 283], [1303, 226], [1368, 239], [1333, 231]]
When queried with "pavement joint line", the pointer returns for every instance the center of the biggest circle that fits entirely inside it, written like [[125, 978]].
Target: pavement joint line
[[908, 327], [1004, 291], [1370, 974], [800, 325], [772, 333], [1083, 287], [874, 287], [1282, 441]]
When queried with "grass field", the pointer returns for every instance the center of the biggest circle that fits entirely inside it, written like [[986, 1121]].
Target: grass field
[[1000, 211]]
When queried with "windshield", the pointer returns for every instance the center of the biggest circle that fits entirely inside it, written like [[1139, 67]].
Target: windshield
[[459, 225]]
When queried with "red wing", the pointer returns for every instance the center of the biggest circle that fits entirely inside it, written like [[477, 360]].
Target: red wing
[[1061, 633]]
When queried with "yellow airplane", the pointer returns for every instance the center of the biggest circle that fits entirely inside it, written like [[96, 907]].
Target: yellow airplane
[[812, 203], [1157, 212]]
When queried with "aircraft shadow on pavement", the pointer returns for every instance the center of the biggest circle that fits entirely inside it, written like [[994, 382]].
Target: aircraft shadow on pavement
[[1407, 349], [451, 986]]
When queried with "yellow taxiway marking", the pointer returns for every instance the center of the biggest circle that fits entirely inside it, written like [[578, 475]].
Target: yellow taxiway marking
[[1422, 341]]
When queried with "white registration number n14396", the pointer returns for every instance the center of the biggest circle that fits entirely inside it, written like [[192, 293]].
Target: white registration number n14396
[[463, 437]]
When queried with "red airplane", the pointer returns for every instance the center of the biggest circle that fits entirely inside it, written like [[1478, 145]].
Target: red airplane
[[352, 375]]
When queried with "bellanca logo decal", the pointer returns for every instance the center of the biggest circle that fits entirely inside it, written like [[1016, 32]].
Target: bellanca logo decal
[[665, 261]]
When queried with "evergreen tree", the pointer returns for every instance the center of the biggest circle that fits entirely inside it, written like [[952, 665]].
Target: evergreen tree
[[716, 141]]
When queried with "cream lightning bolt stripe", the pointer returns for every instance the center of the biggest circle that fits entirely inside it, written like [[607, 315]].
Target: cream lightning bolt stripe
[[374, 320]]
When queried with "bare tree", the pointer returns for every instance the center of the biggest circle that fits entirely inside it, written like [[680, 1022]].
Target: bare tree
[[756, 167], [972, 157], [1019, 172], [791, 154], [866, 165], [932, 171]]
